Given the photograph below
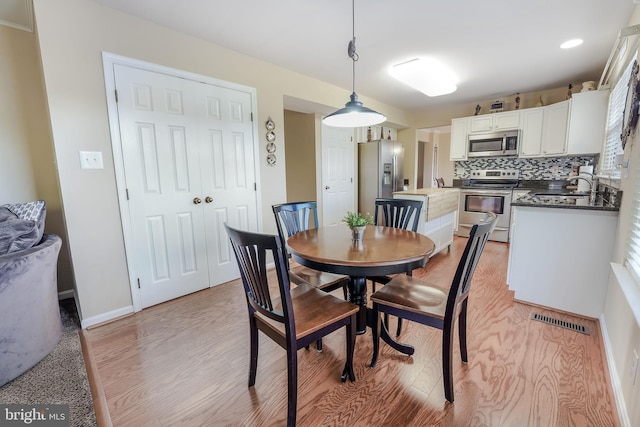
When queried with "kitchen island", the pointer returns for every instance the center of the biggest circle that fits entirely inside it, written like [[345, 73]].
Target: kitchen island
[[560, 251], [438, 218]]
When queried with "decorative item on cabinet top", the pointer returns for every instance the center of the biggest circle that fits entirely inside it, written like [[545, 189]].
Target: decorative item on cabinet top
[[374, 133]]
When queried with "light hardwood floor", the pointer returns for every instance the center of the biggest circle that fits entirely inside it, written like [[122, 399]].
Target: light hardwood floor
[[185, 362]]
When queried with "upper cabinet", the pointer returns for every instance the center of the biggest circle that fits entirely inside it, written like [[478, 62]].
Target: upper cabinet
[[587, 120], [531, 135], [572, 127], [544, 130], [554, 129], [459, 138], [495, 122]]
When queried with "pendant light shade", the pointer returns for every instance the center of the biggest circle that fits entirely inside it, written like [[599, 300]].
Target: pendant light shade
[[354, 114]]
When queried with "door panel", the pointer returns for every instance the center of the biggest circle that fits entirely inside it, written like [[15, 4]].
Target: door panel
[[162, 172], [228, 172], [182, 141], [337, 174]]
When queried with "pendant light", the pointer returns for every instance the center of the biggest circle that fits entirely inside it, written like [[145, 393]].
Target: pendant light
[[354, 114]]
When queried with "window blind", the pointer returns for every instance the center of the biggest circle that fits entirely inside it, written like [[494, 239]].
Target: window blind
[[615, 115], [632, 258]]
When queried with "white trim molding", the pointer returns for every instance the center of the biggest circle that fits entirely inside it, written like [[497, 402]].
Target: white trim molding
[[618, 396], [106, 317]]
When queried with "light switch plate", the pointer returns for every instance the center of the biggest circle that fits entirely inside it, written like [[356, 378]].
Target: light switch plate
[[91, 160]]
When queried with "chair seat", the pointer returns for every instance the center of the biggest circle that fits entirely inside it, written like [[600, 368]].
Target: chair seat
[[412, 294], [314, 310], [318, 279]]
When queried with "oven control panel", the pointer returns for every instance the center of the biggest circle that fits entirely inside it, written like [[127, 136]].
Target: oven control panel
[[511, 174]]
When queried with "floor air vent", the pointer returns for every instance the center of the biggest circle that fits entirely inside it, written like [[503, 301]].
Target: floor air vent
[[560, 323]]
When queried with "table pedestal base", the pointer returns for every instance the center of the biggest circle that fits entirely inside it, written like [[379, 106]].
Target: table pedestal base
[[364, 318]]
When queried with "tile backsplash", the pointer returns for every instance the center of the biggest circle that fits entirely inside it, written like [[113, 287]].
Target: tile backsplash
[[530, 169]]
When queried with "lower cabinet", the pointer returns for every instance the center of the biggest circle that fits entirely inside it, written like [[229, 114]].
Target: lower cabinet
[[439, 229], [559, 258]]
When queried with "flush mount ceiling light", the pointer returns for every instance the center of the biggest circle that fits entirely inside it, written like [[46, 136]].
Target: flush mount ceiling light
[[425, 75], [354, 114], [571, 43]]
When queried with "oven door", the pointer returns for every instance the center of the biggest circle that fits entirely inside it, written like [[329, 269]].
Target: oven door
[[475, 202]]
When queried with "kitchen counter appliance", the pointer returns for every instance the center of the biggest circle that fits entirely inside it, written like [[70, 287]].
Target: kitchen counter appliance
[[497, 144], [487, 191]]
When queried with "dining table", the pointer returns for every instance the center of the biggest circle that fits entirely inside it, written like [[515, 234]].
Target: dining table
[[381, 251]]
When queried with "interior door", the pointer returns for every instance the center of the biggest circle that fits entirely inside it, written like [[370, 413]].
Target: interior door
[[338, 170], [189, 167], [228, 172]]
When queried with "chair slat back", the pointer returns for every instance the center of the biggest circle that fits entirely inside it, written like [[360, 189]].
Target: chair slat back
[[292, 218], [251, 251], [296, 217], [461, 284], [398, 213]]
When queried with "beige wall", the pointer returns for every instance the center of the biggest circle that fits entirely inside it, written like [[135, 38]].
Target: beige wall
[[299, 130], [27, 165], [72, 36]]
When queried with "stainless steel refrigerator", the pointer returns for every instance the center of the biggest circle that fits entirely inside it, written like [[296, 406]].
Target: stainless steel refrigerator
[[379, 171]]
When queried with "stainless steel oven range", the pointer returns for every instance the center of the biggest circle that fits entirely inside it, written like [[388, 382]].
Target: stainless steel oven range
[[487, 191]]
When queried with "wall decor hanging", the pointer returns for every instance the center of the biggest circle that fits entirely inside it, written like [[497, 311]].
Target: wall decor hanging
[[270, 125]]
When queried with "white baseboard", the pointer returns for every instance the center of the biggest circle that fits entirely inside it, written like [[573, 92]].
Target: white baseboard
[[615, 379], [106, 317]]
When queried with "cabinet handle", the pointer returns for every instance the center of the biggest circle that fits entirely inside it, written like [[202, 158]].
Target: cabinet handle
[[197, 201], [326, 187], [208, 199]]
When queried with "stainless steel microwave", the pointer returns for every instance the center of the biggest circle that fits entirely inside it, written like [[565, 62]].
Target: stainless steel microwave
[[496, 144]]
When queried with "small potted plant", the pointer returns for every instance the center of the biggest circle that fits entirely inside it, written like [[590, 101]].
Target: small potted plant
[[357, 223]]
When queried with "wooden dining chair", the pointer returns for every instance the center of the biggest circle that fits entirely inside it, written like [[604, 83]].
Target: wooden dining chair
[[292, 218], [435, 305], [292, 317], [397, 213]]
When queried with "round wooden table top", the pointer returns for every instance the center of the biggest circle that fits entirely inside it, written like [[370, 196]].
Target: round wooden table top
[[383, 250]]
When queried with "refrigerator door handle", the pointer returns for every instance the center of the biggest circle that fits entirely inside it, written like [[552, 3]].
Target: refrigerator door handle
[[394, 173]]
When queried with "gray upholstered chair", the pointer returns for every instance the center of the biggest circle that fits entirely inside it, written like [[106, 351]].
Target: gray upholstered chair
[[31, 325]]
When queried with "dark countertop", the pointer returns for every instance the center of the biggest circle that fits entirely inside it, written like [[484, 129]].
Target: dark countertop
[[604, 201]]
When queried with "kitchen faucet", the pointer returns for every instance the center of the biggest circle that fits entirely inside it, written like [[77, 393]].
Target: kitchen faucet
[[577, 177], [593, 184]]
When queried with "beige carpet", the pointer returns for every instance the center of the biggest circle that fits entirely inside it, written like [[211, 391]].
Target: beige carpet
[[59, 378]]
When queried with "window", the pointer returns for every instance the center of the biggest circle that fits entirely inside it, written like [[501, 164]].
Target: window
[[632, 257], [613, 143]]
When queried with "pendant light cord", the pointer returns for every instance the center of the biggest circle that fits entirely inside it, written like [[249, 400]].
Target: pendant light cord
[[351, 49]]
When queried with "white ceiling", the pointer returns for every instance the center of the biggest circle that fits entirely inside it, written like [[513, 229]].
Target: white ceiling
[[495, 47]]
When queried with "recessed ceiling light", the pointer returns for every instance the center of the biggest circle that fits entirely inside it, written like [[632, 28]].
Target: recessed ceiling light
[[571, 43], [425, 75]]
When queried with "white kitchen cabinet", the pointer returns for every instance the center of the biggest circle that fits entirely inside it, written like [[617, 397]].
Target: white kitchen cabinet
[[544, 131], [495, 122], [459, 139], [554, 129], [587, 119], [531, 135], [559, 258]]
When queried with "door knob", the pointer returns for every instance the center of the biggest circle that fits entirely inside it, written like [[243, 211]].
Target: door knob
[[208, 199], [326, 187], [197, 201]]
